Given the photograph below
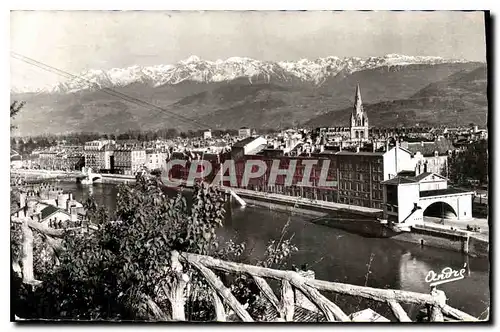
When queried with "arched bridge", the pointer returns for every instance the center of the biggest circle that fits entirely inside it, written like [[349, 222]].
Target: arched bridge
[[89, 177], [450, 203], [86, 176]]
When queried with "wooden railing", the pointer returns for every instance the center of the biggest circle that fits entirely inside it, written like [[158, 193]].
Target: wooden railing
[[310, 288], [285, 304]]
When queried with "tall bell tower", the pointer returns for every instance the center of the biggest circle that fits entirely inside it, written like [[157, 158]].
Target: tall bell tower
[[359, 119]]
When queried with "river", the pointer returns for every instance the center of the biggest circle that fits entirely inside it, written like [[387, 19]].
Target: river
[[336, 255]]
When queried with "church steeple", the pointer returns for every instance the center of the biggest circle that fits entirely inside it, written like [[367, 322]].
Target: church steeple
[[358, 104], [359, 119]]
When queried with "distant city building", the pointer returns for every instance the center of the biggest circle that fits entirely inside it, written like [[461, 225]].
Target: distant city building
[[128, 161], [207, 134], [99, 158], [244, 132], [155, 159], [97, 145], [431, 156]]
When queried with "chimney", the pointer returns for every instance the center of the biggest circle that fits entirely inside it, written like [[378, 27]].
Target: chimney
[[61, 201], [68, 205], [74, 214]]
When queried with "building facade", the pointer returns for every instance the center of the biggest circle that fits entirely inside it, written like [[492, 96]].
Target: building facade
[[244, 132], [431, 156], [98, 155], [345, 177], [128, 161], [155, 159]]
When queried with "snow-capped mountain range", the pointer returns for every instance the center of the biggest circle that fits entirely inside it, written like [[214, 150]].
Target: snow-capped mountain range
[[199, 70]]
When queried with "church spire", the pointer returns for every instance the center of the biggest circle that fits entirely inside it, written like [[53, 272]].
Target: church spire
[[358, 104]]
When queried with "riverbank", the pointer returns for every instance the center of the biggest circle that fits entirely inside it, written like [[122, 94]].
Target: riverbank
[[117, 178], [364, 222], [292, 203], [427, 234]]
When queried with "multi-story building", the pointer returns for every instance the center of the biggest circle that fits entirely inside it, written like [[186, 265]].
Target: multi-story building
[[337, 176], [155, 159], [244, 132], [98, 155], [432, 156], [129, 160], [97, 145]]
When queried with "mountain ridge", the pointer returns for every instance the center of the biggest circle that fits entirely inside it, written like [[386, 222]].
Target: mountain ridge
[[196, 69], [415, 92]]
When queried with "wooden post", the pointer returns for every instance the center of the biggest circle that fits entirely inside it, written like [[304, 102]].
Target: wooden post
[[175, 291], [27, 252], [287, 301], [435, 310]]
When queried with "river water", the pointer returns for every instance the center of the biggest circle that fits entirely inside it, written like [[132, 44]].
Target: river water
[[336, 255]]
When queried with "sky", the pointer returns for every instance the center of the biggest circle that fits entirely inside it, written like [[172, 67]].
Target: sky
[[75, 41]]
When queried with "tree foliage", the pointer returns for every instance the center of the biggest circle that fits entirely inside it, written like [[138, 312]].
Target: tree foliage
[[111, 273], [471, 164], [15, 107]]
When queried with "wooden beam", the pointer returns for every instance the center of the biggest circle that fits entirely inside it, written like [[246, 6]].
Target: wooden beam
[[382, 295], [220, 312], [287, 304], [223, 291], [267, 292], [457, 314], [42, 228], [330, 310], [398, 311], [158, 314]]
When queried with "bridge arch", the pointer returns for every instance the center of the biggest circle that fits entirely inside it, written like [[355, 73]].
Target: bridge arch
[[441, 209]]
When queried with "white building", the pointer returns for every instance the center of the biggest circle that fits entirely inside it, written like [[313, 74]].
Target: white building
[[207, 134], [155, 159], [244, 132], [408, 199]]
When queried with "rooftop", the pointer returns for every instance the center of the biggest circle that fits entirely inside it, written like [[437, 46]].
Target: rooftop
[[428, 148], [242, 143], [399, 180], [49, 210], [440, 192], [360, 153]]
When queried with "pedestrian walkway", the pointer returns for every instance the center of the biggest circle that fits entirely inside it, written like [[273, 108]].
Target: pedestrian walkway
[[482, 223], [307, 201]]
